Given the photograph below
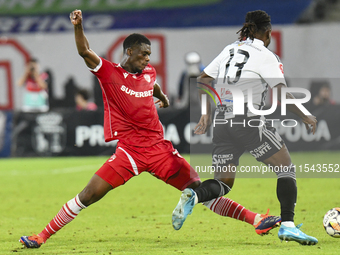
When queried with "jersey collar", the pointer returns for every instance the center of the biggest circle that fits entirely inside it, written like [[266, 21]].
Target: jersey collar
[[126, 71], [258, 42]]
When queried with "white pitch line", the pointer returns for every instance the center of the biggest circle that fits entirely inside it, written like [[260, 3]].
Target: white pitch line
[[64, 170]]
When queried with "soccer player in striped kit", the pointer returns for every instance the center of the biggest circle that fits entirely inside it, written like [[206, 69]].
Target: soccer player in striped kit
[[130, 116], [247, 63]]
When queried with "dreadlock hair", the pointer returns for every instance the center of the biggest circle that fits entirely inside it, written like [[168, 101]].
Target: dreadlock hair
[[135, 39], [256, 21]]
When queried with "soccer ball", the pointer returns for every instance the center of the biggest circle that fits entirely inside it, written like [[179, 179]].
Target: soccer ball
[[331, 222]]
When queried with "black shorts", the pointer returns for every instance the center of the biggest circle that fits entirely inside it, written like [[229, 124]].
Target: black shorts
[[239, 134]]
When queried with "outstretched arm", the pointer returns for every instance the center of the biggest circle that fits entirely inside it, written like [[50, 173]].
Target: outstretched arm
[[163, 100], [205, 120], [90, 57], [309, 120]]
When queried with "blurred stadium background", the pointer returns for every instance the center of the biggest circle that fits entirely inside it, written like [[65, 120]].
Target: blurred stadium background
[[137, 221], [304, 37]]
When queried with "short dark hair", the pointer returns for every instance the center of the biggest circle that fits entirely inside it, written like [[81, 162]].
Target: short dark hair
[[34, 60], [255, 21], [135, 39], [83, 93]]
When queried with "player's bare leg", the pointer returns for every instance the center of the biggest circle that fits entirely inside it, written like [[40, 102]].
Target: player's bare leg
[[94, 191], [287, 194]]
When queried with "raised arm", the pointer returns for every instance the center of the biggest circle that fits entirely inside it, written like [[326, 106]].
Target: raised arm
[[205, 120], [163, 100], [24, 76], [309, 120], [90, 57]]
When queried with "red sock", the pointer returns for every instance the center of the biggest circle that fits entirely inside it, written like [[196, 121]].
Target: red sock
[[227, 207], [66, 214]]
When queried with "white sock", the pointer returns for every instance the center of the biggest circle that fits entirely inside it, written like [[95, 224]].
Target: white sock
[[288, 224], [196, 198], [257, 219]]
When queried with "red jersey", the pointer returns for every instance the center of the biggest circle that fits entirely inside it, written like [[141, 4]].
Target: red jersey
[[130, 114], [32, 85]]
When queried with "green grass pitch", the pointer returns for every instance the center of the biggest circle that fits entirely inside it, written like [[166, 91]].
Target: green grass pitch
[[136, 217]]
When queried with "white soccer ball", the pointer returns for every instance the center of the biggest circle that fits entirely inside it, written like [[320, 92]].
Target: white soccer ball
[[331, 222]]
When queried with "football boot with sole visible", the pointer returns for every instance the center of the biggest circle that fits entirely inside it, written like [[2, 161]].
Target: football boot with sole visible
[[183, 208]]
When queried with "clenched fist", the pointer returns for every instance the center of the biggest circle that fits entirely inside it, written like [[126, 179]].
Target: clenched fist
[[76, 17]]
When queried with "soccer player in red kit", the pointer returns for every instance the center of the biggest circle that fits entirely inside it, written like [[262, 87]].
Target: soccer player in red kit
[[130, 116]]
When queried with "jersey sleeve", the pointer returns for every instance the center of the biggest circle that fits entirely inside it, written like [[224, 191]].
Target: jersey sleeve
[[102, 70], [272, 70], [213, 68]]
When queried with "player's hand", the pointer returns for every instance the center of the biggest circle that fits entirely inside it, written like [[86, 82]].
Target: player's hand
[[163, 103], [310, 123], [76, 17], [203, 125], [28, 68]]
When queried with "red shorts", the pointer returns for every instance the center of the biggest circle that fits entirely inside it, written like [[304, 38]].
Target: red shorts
[[161, 160]]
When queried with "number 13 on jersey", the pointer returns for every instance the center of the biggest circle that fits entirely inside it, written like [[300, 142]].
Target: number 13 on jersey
[[234, 66]]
